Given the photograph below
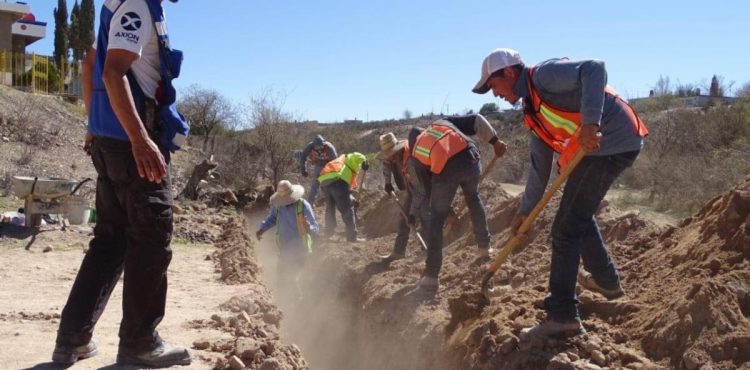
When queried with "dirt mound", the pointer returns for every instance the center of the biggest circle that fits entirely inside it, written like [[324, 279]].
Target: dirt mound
[[252, 320], [687, 300]]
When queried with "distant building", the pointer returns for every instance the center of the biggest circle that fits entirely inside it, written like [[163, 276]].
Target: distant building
[[18, 29]]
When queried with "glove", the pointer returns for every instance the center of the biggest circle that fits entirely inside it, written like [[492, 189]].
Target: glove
[[365, 166], [389, 188], [304, 173], [258, 234]]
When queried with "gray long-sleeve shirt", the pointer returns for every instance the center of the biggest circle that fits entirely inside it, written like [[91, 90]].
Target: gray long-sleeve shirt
[[576, 86], [327, 149]]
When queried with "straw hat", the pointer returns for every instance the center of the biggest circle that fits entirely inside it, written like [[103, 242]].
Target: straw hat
[[389, 145], [286, 194]]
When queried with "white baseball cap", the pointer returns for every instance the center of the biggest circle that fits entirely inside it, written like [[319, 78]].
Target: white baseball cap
[[497, 60]]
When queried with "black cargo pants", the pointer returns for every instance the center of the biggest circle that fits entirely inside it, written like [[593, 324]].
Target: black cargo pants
[[132, 235]]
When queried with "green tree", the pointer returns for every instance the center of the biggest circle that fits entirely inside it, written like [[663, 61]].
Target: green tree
[[86, 20], [488, 108], [75, 33], [407, 114], [61, 34]]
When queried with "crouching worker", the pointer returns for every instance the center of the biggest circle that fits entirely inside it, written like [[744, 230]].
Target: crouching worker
[[296, 225], [337, 179]]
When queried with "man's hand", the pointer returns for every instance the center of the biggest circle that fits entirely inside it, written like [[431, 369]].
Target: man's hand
[[258, 234], [515, 224], [499, 148], [149, 160], [590, 137], [304, 173], [87, 143], [389, 188]]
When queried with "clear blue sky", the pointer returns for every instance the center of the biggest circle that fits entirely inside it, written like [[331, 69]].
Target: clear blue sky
[[372, 60]]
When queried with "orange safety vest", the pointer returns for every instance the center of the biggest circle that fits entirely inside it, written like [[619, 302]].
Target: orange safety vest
[[336, 169], [558, 128], [436, 145]]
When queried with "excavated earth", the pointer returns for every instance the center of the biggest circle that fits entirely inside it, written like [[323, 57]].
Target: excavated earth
[[686, 307]]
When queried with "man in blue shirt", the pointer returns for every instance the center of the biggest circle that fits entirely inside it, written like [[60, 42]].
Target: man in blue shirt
[[124, 85], [567, 105]]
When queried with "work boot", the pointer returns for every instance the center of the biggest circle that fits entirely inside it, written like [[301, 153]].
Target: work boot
[[588, 282], [485, 252], [68, 355], [554, 328], [391, 257], [164, 355]]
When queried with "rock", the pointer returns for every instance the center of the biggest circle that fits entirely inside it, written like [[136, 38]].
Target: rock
[[560, 362], [270, 364], [517, 280], [598, 358], [47, 249], [236, 364], [247, 349], [177, 210], [201, 344], [692, 360], [508, 343], [6, 139], [590, 346], [273, 318], [217, 319]]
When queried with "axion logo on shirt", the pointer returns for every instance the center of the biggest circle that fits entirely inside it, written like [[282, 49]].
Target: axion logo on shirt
[[131, 21]]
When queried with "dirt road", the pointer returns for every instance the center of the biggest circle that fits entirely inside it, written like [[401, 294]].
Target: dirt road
[[34, 287]]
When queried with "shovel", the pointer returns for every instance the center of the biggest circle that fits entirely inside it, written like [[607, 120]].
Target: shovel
[[515, 240], [406, 218], [458, 214]]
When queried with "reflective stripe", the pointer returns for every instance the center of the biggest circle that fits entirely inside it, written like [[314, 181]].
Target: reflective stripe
[[423, 151], [439, 135], [558, 121]]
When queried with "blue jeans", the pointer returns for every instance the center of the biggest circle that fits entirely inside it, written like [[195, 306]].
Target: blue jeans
[[314, 185], [461, 170], [575, 234], [337, 195]]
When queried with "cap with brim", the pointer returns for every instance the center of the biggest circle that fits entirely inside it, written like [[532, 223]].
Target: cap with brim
[[497, 60], [286, 194]]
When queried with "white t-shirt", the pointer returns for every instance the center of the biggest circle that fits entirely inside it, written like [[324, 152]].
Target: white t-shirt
[[132, 29]]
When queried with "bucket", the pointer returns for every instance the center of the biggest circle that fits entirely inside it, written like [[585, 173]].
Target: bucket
[[77, 211]]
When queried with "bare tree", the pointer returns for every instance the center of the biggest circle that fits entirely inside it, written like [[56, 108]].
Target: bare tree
[[208, 111], [273, 133]]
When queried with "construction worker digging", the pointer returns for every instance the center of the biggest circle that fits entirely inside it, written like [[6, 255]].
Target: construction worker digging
[[318, 152], [295, 226], [337, 179], [567, 105], [395, 155], [452, 159]]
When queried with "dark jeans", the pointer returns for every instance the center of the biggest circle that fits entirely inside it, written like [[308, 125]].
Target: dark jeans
[[575, 234], [402, 237], [132, 234], [462, 170], [337, 195]]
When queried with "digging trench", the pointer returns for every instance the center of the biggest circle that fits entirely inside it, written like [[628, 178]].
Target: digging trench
[[336, 328]]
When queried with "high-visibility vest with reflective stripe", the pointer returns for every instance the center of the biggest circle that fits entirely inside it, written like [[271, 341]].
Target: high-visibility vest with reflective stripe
[[345, 167], [559, 128], [436, 145], [302, 229]]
